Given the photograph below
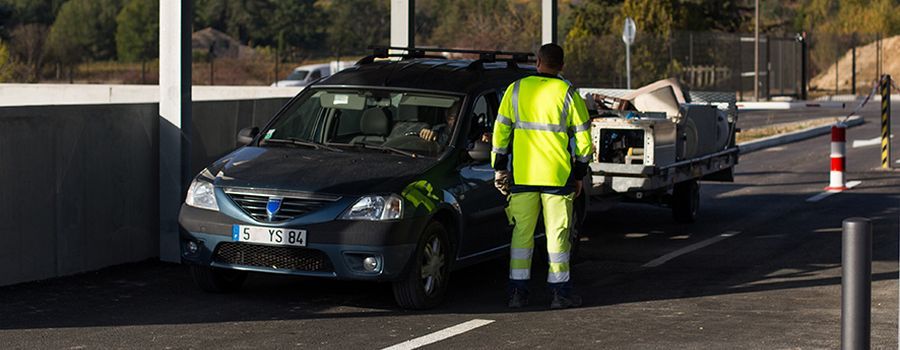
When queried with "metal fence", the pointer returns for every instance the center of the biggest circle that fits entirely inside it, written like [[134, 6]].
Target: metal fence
[[702, 60], [844, 64], [834, 64]]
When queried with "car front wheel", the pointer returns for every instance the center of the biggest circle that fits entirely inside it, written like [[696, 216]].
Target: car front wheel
[[425, 282]]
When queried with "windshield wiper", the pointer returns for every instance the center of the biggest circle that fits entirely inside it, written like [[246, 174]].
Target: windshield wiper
[[395, 150], [299, 142], [382, 148]]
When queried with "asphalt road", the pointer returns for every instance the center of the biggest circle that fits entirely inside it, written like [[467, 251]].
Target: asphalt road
[[770, 280]]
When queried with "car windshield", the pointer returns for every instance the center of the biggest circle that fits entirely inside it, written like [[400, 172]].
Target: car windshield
[[297, 75], [362, 119]]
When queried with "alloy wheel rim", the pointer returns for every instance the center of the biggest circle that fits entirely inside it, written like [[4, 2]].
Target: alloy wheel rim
[[432, 265]]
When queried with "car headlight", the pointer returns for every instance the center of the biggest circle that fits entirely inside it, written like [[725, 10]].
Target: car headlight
[[375, 208], [202, 195]]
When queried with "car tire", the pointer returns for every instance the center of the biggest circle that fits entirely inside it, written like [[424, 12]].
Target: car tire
[[686, 201], [216, 280], [425, 282]]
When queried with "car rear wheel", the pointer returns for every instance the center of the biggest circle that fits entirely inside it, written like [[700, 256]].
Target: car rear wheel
[[216, 280], [426, 280]]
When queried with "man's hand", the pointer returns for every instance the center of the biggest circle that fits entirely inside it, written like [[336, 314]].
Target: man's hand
[[501, 181], [428, 135], [578, 185]]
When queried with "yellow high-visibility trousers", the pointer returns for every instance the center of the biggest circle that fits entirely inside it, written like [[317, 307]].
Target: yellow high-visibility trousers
[[524, 209]]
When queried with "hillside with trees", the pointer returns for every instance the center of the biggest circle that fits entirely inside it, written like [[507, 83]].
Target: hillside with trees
[[60, 40]]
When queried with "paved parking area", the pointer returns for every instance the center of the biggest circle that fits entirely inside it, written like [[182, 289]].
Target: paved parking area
[[760, 269]]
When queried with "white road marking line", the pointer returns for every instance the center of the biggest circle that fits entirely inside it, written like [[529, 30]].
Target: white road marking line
[[820, 196], [665, 258], [826, 194], [866, 143], [440, 335]]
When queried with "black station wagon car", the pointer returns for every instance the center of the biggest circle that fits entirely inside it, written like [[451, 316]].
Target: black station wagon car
[[380, 173]]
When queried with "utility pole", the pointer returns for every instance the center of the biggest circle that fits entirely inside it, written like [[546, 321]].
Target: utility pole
[[548, 21], [628, 32], [175, 120], [403, 23], [756, 54]]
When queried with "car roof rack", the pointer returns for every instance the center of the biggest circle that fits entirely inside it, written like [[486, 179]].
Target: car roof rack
[[484, 56]]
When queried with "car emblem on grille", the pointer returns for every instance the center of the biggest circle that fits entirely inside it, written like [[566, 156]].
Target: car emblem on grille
[[273, 207]]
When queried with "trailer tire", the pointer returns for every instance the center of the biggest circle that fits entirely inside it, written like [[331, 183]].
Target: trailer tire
[[686, 201]]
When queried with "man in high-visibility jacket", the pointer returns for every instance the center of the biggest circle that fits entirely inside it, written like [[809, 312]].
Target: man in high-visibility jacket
[[541, 151]]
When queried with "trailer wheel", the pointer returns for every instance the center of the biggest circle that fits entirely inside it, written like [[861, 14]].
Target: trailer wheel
[[686, 201]]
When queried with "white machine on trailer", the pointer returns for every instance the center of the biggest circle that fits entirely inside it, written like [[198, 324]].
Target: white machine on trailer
[[655, 143]]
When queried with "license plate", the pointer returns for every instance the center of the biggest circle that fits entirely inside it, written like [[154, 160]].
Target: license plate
[[269, 235]]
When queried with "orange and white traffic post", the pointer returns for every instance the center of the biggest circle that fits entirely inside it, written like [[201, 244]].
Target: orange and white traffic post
[[838, 181]]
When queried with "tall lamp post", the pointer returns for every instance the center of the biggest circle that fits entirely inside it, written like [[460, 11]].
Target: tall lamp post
[[756, 54], [628, 37]]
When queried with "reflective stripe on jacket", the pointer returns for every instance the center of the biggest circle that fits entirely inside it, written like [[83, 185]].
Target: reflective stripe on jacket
[[538, 116]]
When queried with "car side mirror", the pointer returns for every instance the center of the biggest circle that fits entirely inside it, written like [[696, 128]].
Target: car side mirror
[[481, 152], [246, 135]]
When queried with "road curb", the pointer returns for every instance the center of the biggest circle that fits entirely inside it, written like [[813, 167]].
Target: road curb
[[793, 105], [794, 136]]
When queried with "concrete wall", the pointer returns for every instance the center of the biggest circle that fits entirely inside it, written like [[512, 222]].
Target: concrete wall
[[79, 184], [81, 94], [216, 124], [78, 188]]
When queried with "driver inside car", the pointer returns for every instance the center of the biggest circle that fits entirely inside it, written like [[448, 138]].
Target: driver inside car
[[441, 133]]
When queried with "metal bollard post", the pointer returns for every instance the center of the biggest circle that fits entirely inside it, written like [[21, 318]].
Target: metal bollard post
[[856, 284]]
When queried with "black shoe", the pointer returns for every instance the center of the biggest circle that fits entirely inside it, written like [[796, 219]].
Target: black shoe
[[564, 302], [517, 299]]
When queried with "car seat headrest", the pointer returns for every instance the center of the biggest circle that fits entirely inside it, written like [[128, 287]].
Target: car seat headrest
[[375, 121]]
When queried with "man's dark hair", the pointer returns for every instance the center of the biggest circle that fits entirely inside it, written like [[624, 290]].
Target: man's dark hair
[[551, 55]]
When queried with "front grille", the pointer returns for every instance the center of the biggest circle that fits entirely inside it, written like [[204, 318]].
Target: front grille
[[289, 258], [253, 202]]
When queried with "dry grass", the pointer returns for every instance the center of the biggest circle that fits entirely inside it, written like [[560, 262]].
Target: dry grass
[[866, 59], [778, 129]]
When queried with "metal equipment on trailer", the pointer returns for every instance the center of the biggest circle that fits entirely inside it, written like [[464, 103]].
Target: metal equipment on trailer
[[653, 145]]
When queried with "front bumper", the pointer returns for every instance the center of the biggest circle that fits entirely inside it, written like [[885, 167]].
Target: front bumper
[[335, 249]]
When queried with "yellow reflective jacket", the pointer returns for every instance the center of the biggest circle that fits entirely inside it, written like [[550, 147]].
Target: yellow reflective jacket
[[537, 118]]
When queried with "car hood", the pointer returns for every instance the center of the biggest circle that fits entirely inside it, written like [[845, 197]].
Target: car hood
[[353, 172]]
